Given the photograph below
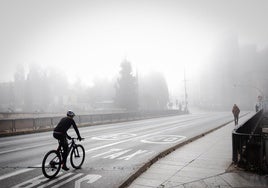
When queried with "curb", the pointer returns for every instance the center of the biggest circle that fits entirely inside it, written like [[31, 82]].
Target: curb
[[163, 154], [166, 152]]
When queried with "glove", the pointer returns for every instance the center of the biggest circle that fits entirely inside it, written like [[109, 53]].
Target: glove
[[79, 138]]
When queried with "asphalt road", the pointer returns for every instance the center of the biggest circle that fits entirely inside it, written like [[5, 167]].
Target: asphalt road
[[113, 151]]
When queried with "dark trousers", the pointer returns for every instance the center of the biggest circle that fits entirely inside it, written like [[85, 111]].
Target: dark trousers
[[236, 119], [64, 144]]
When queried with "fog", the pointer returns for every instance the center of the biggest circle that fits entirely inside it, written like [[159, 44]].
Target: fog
[[94, 55]]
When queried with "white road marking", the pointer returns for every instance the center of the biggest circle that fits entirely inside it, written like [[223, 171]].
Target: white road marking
[[163, 139], [91, 178], [68, 180], [25, 148], [40, 145], [132, 155], [14, 173], [117, 154], [31, 183], [55, 180], [116, 136], [107, 152], [17, 172], [94, 149], [119, 142], [135, 138]]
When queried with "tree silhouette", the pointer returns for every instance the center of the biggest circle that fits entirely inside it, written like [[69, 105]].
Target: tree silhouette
[[126, 88]]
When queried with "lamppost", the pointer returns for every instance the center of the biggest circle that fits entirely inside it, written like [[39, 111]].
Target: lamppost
[[185, 93]]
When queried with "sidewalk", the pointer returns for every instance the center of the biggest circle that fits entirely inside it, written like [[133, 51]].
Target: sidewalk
[[201, 163]]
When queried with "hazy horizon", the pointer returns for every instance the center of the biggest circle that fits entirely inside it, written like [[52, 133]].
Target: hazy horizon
[[88, 39]]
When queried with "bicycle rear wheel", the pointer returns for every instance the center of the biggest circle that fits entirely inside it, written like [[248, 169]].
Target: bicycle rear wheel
[[51, 164], [77, 156]]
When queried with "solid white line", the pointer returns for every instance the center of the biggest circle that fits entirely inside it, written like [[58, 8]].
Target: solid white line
[[18, 172], [24, 148], [14, 173]]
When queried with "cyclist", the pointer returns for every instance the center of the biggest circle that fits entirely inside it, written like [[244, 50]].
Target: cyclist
[[60, 133]]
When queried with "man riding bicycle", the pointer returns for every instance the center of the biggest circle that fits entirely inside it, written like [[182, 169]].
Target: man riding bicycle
[[60, 133]]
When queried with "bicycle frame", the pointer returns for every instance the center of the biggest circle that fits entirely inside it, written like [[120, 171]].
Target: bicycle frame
[[71, 145], [51, 164]]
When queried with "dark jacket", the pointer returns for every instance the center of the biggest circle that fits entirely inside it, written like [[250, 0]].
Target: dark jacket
[[235, 110], [64, 124]]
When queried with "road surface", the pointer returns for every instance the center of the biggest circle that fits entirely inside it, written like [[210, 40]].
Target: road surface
[[113, 151]]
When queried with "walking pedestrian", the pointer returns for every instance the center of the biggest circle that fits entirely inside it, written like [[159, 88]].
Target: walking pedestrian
[[257, 107], [236, 112]]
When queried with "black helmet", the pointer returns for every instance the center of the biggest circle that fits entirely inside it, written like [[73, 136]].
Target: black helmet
[[70, 113]]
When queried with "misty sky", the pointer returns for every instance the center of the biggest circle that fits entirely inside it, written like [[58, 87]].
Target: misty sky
[[88, 38]]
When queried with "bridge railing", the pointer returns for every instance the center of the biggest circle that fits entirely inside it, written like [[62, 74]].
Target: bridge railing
[[16, 125], [247, 141]]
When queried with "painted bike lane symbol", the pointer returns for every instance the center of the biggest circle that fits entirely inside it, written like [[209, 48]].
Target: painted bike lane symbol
[[117, 136], [61, 181], [163, 139], [88, 179]]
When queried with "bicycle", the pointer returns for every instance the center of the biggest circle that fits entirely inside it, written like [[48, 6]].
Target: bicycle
[[52, 161]]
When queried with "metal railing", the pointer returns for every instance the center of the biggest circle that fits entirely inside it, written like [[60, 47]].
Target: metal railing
[[248, 144]]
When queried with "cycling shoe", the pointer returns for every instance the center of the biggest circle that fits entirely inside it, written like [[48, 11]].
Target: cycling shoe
[[65, 168]]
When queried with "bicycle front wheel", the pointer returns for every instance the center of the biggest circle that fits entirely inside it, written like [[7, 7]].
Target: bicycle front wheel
[[77, 156], [51, 164]]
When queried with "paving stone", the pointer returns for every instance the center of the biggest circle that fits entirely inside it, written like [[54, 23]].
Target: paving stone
[[255, 179], [156, 176], [175, 162], [216, 182], [139, 186], [210, 164], [147, 182], [182, 179], [165, 167], [183, 155], [170, 184], [197, 184], [217, 155], [235, 180], [167, 172], [199, 172]]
